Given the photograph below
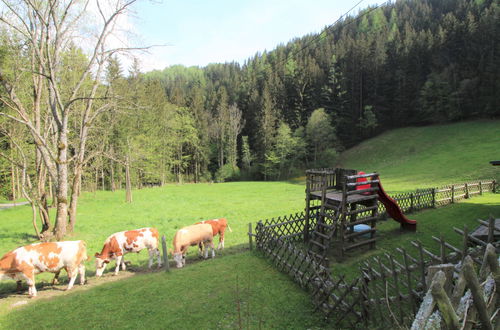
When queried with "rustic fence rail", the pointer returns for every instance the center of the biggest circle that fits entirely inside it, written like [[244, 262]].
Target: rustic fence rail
[[435, 197]]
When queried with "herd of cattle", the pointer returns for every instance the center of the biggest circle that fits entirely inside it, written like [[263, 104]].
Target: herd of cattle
[[26, 261]]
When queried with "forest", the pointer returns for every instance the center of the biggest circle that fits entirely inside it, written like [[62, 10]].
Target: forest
[[73, 118]]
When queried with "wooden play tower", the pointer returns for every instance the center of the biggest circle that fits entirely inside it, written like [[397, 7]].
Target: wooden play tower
[[340, 199]]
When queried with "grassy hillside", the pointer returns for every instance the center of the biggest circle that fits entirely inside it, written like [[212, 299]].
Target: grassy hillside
[[418, 157]]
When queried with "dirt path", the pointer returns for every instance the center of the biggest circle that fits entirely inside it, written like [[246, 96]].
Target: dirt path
[[9, 205], [11, 300]]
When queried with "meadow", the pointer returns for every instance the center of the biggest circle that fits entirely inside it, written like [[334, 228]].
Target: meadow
[[239, 288]]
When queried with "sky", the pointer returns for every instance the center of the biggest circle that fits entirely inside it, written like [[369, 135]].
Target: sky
[[199, 32]]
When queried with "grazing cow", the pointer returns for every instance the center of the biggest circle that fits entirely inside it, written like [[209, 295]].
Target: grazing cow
[[218, 228], [121, 243], [191, 236], [24, 262]]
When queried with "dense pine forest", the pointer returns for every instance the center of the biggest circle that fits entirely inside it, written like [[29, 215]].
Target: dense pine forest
[[73, 119], [400, 64]]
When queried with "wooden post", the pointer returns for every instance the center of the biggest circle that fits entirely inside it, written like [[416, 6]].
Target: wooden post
[[493, 186], [491, 229], [422, 265], [442, 250], [165, 254], [411, 202], [477, 293], [452, 194], [308, 201], [434, 197], [480, 188], [465, 242], [250, 236], [466, 190], [443, 301]]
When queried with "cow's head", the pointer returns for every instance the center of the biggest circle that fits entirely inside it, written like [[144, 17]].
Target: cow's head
[[179, 259], [100, 264]]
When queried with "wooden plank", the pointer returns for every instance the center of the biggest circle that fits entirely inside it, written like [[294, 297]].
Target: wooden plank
[[359, 233], [362, 221], [352, 246]]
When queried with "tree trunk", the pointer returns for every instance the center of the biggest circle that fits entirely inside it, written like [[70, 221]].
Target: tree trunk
[[112, 176], [75, 193], [128, 184], [62, 186], [13, 175], [44, 214]]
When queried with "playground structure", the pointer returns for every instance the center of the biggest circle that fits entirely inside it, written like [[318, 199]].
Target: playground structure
[[391, 286], [345, 205]]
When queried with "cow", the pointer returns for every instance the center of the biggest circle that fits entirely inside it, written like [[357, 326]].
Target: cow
[[218, 228], [26, 261], [191, 236], [123, 242]]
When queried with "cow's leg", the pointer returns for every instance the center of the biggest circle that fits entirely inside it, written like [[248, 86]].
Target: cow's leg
[[200, 249], [211, 244], [151, 253], [124, 266], [158, 256], [118, 263], [30, 279], [72, 274], [55, 280], [81, 271], [221, 241]]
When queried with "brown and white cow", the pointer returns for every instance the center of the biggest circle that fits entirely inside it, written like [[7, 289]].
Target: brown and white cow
[[218, 228], [26, 261], [191, 236], [123, 242]]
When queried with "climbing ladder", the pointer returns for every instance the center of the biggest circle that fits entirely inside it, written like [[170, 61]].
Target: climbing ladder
[[340, 199]]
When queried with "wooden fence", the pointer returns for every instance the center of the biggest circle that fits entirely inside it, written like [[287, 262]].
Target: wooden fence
[[389, 288], [434, 197]]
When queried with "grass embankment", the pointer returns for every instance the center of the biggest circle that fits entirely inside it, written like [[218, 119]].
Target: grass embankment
[[204, 294], [431, 156]]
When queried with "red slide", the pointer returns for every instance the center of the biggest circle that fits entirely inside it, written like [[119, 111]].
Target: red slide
[[394, 211]]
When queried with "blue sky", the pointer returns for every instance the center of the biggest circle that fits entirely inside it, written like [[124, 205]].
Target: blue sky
[[199, 32]]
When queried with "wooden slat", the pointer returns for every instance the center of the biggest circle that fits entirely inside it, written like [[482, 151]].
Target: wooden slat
[[362, 221], [361, 243], [360, 233]]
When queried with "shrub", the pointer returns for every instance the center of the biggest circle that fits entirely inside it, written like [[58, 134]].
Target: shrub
[[227, 173]]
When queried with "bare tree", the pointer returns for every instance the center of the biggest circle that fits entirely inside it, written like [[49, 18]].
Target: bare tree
[[48, 29]]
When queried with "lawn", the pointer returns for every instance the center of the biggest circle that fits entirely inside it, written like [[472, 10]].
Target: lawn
[[418, 157]]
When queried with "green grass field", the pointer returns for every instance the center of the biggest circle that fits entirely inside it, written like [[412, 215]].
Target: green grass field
[[419, 157], [239, 288]]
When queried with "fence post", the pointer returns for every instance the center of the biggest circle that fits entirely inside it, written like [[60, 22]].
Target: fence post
[[411, 202], [452, 193], [480, 187], [493, 188], [433, 197], [165, 255], [250, 236], [465, 242], [491, 229], [466, 190]]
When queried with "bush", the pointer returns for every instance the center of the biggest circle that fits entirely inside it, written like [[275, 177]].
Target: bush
[[227, 173], [327, 158]]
